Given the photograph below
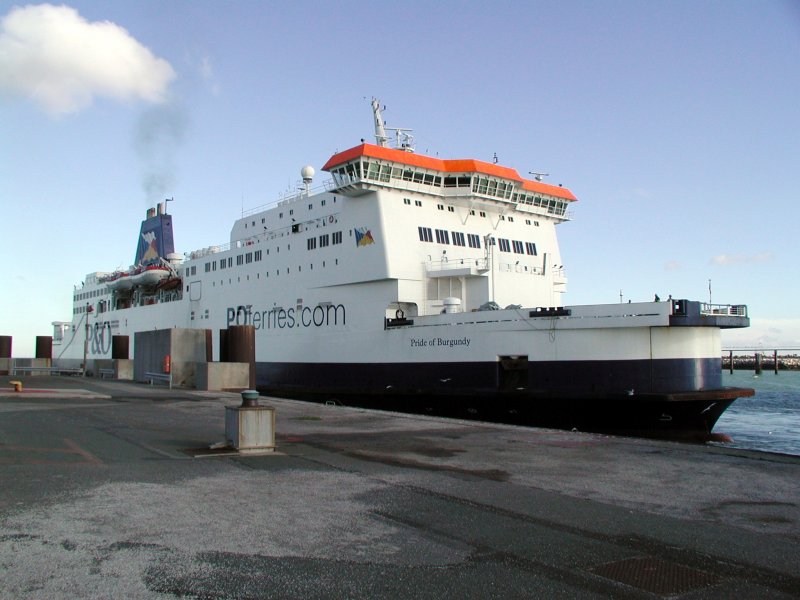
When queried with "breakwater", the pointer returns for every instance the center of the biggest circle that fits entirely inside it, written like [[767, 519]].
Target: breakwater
[[768, 360]]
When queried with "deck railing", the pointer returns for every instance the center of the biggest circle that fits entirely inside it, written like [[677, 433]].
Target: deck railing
[[730, 310]]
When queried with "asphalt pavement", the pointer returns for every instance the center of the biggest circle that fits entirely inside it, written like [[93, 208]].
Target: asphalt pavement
[[110, 490]]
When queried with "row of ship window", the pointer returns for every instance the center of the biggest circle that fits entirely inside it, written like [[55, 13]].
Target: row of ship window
[[474, 241], [291, 212], [324, 240], [267, 273], [257, 255], [472, 212], [227, 263], [486, 186], [86, 295]]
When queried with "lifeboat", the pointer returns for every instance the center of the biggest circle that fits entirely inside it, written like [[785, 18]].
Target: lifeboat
[[140, 276], [149, 276], [120, 281], [169, 283]]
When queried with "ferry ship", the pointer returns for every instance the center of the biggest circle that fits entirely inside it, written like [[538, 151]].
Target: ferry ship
[[417, 283]]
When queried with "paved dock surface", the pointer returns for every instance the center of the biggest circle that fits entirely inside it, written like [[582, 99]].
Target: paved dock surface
[[107, 491]]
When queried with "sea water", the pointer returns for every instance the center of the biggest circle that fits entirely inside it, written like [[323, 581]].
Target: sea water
[[768, 421]]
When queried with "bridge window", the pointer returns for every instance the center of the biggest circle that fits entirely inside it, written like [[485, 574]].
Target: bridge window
[[425, 234]]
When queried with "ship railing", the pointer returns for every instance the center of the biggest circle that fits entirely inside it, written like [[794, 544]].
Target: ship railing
[[290, 196], [266, 235], [728, 310], [194, 254], [456, 263]]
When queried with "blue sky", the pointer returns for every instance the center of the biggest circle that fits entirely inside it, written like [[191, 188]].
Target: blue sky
[[676, 124]]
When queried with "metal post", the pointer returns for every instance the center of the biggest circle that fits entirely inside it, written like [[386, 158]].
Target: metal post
[[731, 365], [775, 358], [758, 363], [86, 341]]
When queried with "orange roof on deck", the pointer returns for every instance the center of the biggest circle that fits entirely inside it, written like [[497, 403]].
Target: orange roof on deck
[[467, 165]]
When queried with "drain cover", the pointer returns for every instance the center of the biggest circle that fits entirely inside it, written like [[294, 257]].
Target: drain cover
[[655, 575]]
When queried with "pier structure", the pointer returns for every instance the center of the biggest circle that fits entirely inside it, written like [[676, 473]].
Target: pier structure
[[753, 358]]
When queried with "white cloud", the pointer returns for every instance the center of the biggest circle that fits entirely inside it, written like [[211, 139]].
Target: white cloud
[[61, 61], [673, 265], [739, 259], [764, 333]]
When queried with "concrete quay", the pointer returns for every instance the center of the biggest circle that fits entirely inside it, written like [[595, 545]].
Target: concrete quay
[[108, 490]]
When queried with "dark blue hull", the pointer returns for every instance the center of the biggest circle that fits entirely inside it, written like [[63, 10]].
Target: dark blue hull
[[641, 397]]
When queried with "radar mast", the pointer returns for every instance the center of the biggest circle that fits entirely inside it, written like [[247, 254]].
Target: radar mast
[[403, 138]]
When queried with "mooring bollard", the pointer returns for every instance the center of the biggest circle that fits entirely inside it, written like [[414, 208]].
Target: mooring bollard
[[250, 427], [250, 398]]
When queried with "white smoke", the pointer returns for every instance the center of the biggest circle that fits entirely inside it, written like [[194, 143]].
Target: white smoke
[[61, 61], [160, 131]]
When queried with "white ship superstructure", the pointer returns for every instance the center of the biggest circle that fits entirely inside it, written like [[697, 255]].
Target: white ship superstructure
[[409, 279]]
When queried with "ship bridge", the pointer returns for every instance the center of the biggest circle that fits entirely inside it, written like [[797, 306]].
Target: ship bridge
[[367, 168]]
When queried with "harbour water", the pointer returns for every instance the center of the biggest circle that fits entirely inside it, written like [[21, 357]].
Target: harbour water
[[768, 421]]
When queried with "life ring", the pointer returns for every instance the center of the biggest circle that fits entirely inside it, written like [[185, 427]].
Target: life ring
[[400, 314], [330, 219]]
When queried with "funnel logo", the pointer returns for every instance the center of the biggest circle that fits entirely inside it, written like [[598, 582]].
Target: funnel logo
[[151, 245], [363, 237]]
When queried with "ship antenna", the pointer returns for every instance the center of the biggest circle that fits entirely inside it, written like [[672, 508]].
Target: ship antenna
[[403, 138], [538, 176], [380, 133]]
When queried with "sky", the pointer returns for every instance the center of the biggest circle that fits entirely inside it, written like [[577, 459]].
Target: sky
[[676, 124]]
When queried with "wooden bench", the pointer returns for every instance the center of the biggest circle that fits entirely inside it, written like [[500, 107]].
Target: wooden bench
[[165, 377]]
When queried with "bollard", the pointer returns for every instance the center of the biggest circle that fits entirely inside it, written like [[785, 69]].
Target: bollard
[[249, 398], [250, 428]]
